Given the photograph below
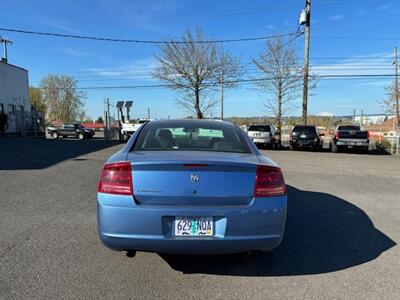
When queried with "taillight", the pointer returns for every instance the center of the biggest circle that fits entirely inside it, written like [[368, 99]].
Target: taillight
[[116, 178], [269, 182], [337, 135]]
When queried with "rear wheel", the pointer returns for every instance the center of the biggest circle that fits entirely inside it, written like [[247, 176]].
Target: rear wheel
[[365, 150], [334, 148], [81, 136], [54, 135], [131, 253]]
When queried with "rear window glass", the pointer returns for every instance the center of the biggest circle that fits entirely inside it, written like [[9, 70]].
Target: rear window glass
[[190, 136], [304, 129], [261, 128], [349, 127]]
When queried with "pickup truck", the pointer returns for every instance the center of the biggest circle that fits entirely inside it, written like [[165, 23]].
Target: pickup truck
[[128, 128], [71, 130], [348, 137]]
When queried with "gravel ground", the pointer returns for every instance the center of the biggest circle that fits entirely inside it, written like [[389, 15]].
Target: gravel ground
[[341, 237]]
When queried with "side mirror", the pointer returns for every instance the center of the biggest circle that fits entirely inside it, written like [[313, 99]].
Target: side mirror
[[277, 132]]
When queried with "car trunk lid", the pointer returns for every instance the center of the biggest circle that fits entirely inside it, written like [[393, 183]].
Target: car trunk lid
[[193, 178]]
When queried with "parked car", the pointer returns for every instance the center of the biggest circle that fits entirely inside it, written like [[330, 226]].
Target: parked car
[[306, 137], [129, 128], [263, 135], [71, 130], [348, 137], [191, 187]]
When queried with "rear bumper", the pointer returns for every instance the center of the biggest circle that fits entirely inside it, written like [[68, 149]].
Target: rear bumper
[[260, 140], [124, 225], [352, 143], [305, 144]]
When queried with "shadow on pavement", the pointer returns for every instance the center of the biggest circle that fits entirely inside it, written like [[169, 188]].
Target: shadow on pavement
[[323, 234], [39, 153]]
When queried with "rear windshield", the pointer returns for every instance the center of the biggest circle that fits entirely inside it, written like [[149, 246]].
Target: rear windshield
[[310, 129], [190, 136], [349, 127], [262, 128]]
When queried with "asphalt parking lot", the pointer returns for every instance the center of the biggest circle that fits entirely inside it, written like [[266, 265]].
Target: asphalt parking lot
[[341, 239]]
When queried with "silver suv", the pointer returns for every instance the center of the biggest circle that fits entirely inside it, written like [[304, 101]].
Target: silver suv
[[263, 135]]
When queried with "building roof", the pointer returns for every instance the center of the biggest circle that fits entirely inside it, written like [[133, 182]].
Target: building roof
[[14, 66]]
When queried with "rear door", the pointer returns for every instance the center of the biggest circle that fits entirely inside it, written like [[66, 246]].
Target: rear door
[[304, 133], [259, 131]]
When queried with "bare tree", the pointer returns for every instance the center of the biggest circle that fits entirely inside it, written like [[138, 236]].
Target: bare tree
[[63, 101], [388, 104], [281, 78], [193, 67]]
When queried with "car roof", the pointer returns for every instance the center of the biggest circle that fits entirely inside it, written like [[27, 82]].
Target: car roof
[[304, 126], [194, 122]]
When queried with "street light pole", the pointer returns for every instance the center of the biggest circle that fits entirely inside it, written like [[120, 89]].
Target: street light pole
[[306, 60]]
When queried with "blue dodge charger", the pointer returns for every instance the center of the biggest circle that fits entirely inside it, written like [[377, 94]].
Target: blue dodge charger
[[191, 187]]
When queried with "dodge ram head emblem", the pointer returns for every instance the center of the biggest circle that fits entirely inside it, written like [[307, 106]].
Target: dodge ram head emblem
[[194, 178]]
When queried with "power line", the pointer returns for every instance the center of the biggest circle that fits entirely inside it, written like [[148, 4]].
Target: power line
[[106, 39], [357, 37], [246, 80]]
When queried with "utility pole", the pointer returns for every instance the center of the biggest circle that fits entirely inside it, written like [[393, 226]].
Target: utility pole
[[107, 119], [148, 113], [222, 98], [396, 87], [222, 89], [361, 118], [354, 115], [5, 41], [307, 11]]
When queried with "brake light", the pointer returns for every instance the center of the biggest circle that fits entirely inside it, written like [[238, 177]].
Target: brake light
[[116, 178], [269, 182], [337, 135]]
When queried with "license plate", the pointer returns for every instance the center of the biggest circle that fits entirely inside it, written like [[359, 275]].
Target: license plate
[[194, 226]]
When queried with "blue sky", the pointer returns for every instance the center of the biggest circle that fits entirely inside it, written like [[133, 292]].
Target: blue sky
[[347, 37]]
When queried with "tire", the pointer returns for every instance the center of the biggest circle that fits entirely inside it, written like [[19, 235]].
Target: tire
[[130, 253], [54, 135], [334, 148], [81, 136], [364, 150]]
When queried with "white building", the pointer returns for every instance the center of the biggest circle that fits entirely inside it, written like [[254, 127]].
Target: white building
[[371, 119], [14, 97]]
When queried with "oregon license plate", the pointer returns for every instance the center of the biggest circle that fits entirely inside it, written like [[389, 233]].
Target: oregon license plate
[[194, 226]]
